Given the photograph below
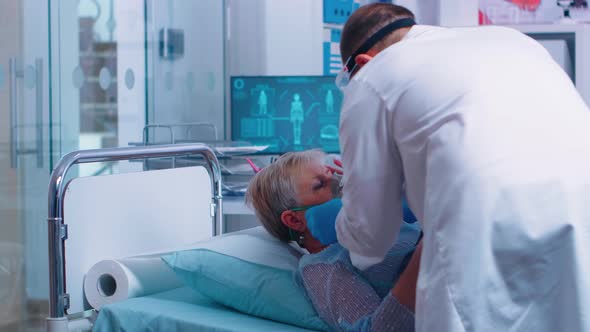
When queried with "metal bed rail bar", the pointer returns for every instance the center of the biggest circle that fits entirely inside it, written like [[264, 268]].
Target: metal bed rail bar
[[57, 229]]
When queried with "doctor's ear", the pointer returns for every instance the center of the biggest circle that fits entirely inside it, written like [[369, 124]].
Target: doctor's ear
[[293, 220], [362, 59]]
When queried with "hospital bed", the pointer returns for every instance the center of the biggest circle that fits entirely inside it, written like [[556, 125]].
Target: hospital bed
[[73, 246]]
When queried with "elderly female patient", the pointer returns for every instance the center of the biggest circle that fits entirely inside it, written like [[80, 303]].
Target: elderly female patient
[[380, 298]]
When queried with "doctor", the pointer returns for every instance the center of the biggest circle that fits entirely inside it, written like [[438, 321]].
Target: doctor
[[491, 143]]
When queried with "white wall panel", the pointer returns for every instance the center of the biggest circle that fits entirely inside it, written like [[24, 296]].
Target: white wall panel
[[123, 215]]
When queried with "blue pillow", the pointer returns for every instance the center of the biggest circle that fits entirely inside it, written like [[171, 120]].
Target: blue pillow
[[262, 286]]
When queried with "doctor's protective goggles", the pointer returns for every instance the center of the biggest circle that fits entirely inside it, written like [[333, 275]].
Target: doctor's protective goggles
[[350, 65]]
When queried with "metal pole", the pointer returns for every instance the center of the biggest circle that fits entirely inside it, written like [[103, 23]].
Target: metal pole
[[13, 74], [39, 111]]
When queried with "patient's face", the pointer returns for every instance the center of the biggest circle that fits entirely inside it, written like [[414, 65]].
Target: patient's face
[[313, 187], [313, 184]]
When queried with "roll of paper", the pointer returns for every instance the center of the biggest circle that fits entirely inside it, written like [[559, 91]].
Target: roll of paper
[[111, 281]]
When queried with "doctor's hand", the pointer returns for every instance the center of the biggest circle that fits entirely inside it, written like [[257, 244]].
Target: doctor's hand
[[336, 180], [338, 169]]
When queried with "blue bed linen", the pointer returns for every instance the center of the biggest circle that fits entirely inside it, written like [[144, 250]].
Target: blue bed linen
[[181, 309]]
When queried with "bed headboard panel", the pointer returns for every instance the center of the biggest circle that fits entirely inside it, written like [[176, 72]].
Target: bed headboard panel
[[122, 215]]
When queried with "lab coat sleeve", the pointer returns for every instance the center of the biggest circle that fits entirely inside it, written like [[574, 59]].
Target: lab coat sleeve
[[371, 216]]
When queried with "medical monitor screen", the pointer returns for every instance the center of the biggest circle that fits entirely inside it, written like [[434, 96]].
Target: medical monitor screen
[[287, 113]]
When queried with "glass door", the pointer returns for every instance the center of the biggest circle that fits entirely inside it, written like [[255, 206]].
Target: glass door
[[186, 70], [122, 66], [86, 74], [24, 161], [100, 83], [63, 87]]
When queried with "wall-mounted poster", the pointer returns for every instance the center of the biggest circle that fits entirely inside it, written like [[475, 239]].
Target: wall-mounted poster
[[533, 11]]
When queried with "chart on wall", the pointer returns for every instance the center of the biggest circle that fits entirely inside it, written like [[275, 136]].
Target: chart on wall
[[287, 113], [532, 11], [336, 12]]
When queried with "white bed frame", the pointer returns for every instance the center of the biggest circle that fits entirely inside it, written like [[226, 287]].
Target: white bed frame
[[60, 320]]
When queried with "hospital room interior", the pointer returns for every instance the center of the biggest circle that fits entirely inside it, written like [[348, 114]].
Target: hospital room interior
[[131, 130]]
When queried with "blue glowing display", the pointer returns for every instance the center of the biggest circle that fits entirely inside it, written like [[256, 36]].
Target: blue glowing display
[[288, 113]]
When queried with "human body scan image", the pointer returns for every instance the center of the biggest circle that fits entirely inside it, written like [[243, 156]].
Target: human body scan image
[[287, 113]]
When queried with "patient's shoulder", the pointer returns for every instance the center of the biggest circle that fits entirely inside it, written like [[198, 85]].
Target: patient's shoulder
[[334, 253]]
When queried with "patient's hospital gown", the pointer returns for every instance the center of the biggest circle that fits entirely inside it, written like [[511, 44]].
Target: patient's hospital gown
[[348, 299]]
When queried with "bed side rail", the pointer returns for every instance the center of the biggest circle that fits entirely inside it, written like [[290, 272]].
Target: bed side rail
[[57, 229]]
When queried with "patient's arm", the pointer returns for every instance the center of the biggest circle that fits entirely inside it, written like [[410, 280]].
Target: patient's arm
[[405, 288], [347, 302]]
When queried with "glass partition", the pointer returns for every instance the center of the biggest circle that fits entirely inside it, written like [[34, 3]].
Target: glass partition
[[87, 74], [24, 162], [186, 76]]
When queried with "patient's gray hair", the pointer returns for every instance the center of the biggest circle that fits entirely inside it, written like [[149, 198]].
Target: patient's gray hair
[[273, 190]]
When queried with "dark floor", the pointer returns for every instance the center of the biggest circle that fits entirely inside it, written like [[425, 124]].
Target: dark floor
[[36, 325], [32, 320]]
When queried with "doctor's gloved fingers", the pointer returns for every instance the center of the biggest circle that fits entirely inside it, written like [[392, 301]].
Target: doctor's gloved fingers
[[337, 168]]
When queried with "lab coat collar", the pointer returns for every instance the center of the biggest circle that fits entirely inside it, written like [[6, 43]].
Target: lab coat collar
[[415, 32], [419, 30]]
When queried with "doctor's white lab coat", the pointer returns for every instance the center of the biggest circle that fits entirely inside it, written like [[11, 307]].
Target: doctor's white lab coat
[[492, 142]]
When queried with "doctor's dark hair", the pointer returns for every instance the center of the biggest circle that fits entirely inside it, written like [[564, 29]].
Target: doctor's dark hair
[[273, 190], [367, 20]]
